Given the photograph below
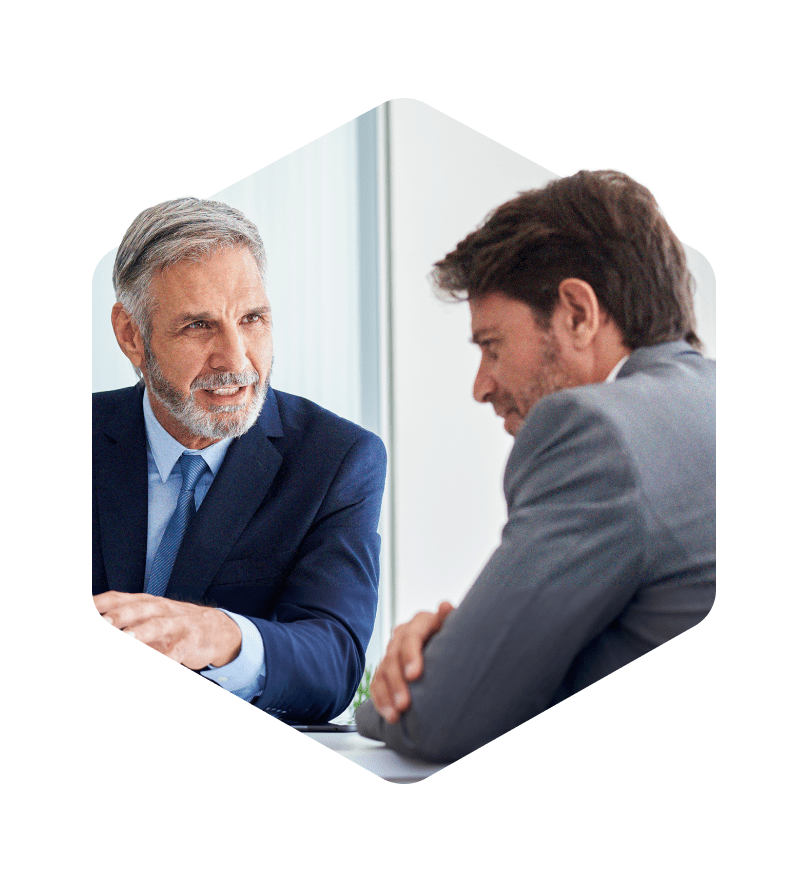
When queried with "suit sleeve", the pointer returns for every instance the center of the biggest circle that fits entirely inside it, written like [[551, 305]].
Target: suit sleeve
[[315, 643], [568, 563]]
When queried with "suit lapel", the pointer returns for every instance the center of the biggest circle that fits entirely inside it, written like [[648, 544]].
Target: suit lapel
[[122, 482], [239, 488]]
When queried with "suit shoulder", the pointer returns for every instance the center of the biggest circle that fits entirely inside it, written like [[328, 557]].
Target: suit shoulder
[[565, 412], [309, 421], [661, 399], [663, 382], [110, 403]]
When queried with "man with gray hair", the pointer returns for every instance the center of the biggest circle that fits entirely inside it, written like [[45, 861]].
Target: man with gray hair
[[234, 526]]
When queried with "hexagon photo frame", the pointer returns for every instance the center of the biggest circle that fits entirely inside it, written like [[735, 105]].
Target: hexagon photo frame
[[603, 544]]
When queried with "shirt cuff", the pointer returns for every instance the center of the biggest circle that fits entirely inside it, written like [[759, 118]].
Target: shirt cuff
[[246, 675]]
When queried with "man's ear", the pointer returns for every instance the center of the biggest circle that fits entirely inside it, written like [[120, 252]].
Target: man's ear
[[579, 312], [128, 336]]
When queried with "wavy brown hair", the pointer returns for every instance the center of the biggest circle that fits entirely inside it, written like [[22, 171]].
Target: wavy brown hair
[[598, 226]]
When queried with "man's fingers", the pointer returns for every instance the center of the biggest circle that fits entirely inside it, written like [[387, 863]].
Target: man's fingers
[[127, 613], [414, 637], [109, 600], [152, 620], [388, 690], [391, 671], [443, 610], [412, 655], [188, 633], [403, 662], [161, 635], [382, 696], [166, 633]]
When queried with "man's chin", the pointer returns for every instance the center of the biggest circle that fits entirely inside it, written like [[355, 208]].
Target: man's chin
[[232, 423], [513, 422]]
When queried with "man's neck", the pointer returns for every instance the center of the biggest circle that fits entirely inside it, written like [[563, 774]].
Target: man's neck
[[608, 350]]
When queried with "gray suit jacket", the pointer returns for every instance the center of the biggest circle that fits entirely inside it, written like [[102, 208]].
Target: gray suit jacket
[[608, 551]]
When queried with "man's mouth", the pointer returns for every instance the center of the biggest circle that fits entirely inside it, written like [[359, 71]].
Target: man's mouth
[[502, 410], [225, 390], [510, 416], [225, 396], [225, 387]]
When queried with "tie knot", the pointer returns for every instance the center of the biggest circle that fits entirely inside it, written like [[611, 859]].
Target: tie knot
[[192, 467]]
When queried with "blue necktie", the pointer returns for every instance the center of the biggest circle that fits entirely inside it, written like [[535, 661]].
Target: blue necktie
[[192, 468]]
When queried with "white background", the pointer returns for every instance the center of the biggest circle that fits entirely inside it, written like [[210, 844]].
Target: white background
[[119, 764]]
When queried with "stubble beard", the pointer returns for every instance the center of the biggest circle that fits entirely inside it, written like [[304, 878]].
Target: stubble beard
[[551, 376], [211, 422]]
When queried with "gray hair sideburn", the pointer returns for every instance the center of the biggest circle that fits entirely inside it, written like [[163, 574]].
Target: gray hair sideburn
[[165, 234]]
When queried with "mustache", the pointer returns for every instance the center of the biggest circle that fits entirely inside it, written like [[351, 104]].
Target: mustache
[[223, 379]]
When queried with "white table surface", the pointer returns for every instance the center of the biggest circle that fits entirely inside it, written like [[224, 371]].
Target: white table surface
[[376, 757]]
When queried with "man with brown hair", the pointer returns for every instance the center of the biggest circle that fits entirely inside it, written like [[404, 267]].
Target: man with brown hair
[[581, 305]]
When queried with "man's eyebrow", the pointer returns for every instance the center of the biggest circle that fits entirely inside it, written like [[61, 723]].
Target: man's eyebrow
[[194, 317], [188, 317]]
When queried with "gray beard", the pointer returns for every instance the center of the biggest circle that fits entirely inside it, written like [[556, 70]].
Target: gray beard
[[207, 422]]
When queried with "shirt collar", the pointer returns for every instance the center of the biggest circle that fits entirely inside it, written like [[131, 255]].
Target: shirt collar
[[166, 450], [616, 369]]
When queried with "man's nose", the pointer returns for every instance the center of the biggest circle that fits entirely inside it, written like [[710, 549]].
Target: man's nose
[[484, 385], [230, 351]]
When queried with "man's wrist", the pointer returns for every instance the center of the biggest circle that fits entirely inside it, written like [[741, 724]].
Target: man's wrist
[[245, 676], [227, 643]]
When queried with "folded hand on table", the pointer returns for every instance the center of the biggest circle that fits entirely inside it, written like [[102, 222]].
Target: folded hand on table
[[403, 662]]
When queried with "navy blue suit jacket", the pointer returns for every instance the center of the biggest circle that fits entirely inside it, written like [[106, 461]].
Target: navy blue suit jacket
[[286, 536]]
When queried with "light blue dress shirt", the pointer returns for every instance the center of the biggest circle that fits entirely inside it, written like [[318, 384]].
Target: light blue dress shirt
[[245, 676]]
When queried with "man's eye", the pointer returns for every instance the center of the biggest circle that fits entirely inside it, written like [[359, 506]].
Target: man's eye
[[197, 325], [253, 317]]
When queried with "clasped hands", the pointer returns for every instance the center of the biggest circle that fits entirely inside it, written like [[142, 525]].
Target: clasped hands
[[195, 636], [403, 662]]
